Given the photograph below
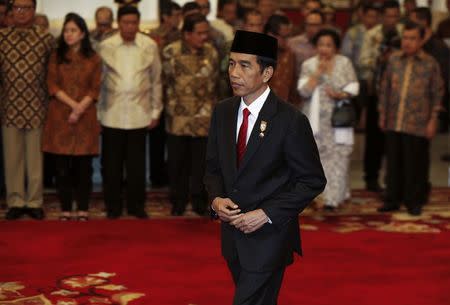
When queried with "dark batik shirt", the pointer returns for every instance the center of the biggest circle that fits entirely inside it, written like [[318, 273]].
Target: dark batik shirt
[[411, 93], [24, 59]]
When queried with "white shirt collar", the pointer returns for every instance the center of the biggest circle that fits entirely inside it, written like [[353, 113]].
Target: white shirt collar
[[257, 104]]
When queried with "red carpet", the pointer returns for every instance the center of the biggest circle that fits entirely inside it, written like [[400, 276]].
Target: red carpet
[[177, 262]]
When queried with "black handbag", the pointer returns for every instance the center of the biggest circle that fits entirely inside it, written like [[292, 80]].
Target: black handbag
[[344, 114]]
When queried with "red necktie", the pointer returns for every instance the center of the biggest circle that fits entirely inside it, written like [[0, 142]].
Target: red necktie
[[242, 137]]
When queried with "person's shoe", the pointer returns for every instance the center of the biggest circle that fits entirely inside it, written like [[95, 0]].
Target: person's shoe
[[329, 208], [415, 211], [36, 213], [112, 215], [14, 213], [374, 187], [445, 158], [140, 214], [388, 208], [177, 211]]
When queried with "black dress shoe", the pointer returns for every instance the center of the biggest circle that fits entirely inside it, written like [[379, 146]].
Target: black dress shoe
[[388, 208], [36, 213], [445, 158], [415, 211], [15, 213], [374, 187], [177, 211], [140, 214], [112, 215], [329, 208]]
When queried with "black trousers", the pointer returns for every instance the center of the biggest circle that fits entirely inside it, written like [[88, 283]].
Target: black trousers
[[123, 152], [73, 180], [408, 159], [186, 162], [374, 146], [157, 150], [255, 288]]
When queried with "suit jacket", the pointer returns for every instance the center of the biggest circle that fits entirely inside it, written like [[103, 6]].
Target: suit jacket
[[280, 173]]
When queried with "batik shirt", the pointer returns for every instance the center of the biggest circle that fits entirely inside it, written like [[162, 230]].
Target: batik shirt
[[411, 93], [23, 76], [191, 90]]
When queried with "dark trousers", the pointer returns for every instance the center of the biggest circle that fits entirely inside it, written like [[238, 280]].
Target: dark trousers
[[374, 146], [49, 169], [123, 150], [73, 180], [186, 162], [255, 288], [157, 150], [408, 160]]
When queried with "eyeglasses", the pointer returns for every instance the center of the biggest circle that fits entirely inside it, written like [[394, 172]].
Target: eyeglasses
[[24, 9]]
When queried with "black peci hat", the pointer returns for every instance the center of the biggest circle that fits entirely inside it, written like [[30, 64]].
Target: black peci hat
[[255, 43]]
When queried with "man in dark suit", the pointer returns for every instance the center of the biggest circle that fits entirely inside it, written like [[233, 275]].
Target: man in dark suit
[[263, 169]]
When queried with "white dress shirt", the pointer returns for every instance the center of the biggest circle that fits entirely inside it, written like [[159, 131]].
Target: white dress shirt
[[131, 94], [254, 109]]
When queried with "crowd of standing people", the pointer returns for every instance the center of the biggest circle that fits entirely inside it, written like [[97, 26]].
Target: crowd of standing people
[[108, 91]]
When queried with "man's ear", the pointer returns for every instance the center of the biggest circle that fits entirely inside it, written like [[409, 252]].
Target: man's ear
[[267, 74]]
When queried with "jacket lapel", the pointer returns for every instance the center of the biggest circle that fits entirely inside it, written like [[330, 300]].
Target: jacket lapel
[[230, 134], [267, 112]]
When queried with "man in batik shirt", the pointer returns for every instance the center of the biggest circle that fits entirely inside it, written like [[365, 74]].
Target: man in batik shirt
[[410, 100], [24, 57], [190, 68]]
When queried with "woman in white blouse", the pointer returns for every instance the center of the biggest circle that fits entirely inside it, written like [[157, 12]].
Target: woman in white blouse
[[326, 79]]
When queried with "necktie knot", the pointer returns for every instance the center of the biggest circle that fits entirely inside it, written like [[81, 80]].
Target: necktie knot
[[246, 112]]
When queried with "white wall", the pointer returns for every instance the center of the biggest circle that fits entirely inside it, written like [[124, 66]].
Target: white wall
[[57, 9], [212, 14]]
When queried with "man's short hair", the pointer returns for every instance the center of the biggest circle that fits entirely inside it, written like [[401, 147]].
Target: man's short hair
[[274, 24], [410, 26], [222, 3], [254, 12], [390, 4], [424, 14], [106, 9], [370, 7], [317, 1], [190, 6], [265, 62], [128, 10], [167, 9], [34, 2], [317, 12], [3, 3], [191, 20]]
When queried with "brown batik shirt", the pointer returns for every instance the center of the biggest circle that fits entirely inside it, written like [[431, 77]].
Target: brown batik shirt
[[24, 55], [411, 93]]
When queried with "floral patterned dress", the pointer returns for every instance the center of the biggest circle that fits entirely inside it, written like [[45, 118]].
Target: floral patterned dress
[[335, 155]]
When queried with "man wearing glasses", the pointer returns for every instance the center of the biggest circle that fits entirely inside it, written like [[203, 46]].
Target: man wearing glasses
[[104, 25], [23, 69]]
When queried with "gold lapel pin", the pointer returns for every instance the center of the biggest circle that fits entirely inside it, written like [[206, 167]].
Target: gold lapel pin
[[262, 128]]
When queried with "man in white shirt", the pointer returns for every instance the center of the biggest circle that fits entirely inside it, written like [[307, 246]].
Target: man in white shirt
[[130, 105]]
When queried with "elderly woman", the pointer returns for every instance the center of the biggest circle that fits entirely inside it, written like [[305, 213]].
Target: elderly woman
[[326, 79]]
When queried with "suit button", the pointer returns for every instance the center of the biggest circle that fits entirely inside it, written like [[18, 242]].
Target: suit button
[[235, 190]]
